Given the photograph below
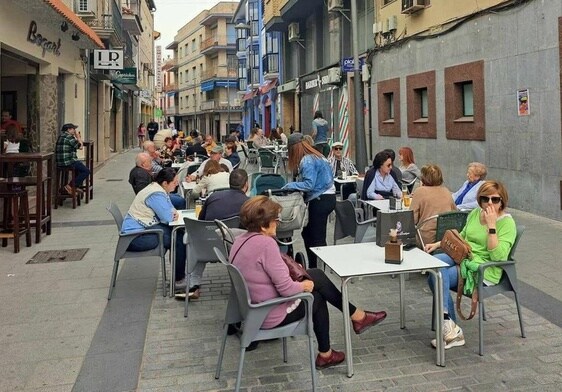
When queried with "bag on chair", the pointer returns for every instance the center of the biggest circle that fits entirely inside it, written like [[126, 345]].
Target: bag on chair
[[294, 215], [455, 246], [296, 270]]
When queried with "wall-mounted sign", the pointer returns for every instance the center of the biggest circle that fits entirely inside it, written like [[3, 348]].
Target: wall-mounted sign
[[108, 59], [125, 76], [48, 46], [523, 107], [347, 64]]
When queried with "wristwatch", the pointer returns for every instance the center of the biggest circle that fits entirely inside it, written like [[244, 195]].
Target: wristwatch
[[491, 231]]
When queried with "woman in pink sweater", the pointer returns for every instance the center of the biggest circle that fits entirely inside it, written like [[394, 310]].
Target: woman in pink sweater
[[257, 256]]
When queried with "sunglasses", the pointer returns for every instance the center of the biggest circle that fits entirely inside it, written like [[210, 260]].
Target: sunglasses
[[493, 199], [338, 148]]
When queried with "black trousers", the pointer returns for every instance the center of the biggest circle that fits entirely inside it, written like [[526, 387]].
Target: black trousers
[[346, 189], [324, 292], [314, 234]]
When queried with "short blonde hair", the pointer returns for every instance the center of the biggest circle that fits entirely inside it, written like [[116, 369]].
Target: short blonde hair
[[491, 186], [478, 169]]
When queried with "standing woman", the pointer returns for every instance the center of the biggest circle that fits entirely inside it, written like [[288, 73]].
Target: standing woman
[[316, 180], [141, 134]]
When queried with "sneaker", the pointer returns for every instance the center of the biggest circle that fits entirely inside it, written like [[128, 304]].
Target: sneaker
[[335, 358], [194, 292], [181, 284], [452, 335]]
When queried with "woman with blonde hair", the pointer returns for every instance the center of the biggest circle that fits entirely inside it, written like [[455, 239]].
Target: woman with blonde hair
[[430, 199], [316, 180], [465, 197]]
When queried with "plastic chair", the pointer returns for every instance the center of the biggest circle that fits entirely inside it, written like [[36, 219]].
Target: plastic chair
[[349, 222], [252, 152], [240, 309], [266, 160], [445, 221], [508, 283], [227, 234], [125, 240], [201, 238]]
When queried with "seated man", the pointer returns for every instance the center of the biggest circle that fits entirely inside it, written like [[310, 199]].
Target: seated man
[[231, 154], [220, 205], [67, 144], [216, 155], [196, 148], [209, 144], [141, 176], [341, 164], [156, 161]]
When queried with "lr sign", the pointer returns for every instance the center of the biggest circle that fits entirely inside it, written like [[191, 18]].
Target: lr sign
[[108, 59]]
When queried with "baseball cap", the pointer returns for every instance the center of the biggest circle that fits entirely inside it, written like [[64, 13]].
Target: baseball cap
[[337, 144], [68, 126], [294, 138], [217, 149]]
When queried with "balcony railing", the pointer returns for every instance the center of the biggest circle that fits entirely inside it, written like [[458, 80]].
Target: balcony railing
[[170, 87], [207, 105], [271, 63], [217, 40], [219, 72], [109, 26]]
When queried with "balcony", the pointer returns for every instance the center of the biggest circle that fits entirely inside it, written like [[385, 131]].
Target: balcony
[[272, 12], [170, 65], [219, 72], [216, 43], [170, 87], [108, 26], [207, 105], [271, 66]]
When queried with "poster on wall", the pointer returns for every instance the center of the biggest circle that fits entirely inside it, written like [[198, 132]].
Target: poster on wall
[[523, 108]]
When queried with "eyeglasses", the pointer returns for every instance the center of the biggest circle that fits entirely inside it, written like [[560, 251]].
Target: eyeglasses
[[493, 199], [338, 148]]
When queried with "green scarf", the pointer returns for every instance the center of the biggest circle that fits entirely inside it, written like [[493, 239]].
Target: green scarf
[[469, 272]]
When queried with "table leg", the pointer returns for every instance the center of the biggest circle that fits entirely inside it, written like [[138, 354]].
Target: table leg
[[173, 262], [438, 305], [39, 202], [347, 327], [402, 310]]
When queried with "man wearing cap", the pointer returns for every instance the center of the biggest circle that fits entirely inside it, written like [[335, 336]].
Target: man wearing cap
[[340, 165], [216, 155], [68, 143]]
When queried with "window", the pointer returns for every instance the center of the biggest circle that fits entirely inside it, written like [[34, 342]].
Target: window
[[181, 102], [420, 90], [467, 99], [193, 45], [465, 102], [186, 49], [388, 93]]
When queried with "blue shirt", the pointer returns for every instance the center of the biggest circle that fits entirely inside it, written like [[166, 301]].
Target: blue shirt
[[315, 176], [386, 184], [158, 202]]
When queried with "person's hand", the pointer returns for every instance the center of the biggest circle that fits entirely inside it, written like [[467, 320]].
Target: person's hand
[[430, 248], [490, 216], [175, 215], [307, 286], [189, 178], [378, 197]]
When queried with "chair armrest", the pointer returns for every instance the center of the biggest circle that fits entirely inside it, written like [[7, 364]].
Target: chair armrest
[[126, 239], [423, 222], [367, 222], [488, 264], [280, 300]]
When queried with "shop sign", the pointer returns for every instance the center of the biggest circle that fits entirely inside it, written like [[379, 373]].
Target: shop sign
[[125, 76], [108, 59], [39, 40], [348, 62], [316, 83]]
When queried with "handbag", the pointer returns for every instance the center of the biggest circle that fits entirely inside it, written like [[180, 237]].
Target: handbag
[[296, 270], [455, 246]]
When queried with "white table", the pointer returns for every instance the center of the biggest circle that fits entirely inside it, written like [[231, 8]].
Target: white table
[[367, 259], [177, 165], [348, 180], [176, 225]]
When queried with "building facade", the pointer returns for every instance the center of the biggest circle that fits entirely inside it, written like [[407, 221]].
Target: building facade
[[205, 73]]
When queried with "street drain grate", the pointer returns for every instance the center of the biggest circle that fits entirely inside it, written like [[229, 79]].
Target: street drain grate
[[55, 256], [114, 179]]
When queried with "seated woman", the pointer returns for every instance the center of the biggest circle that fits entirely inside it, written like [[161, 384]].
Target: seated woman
[[465, 197], [408, 167], [152, 209], [257, 256], [168, 149], [16, 143], [214, 177], [379, 184], [231, 154], [491, 232], [430, 199]]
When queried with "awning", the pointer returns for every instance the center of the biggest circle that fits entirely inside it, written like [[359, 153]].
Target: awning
[[74, 20], [208, 85], [250, 95], [264, 89]]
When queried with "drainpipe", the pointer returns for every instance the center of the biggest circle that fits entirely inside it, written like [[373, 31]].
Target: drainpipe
[[360, 143]]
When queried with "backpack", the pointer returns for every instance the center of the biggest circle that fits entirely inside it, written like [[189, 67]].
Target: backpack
[[294, 215]]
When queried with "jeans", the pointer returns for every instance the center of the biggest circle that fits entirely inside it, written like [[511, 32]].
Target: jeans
[[82, 172], [450, 282], [324, 292], [314, 234], [150, 241], [177, 201]]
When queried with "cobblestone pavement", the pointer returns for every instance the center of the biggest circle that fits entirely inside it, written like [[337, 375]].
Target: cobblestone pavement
[[54, 322]]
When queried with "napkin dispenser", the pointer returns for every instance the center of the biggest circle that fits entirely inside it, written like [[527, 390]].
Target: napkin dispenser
[[395, 203], [393, 249]]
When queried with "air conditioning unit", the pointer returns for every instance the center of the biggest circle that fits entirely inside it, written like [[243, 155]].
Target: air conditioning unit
[[335, 5], [334, 75], [294, 34], [392, 23], [377, 27], [412, 6]]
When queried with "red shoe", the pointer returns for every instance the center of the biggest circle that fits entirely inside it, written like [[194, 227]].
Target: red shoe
[[335, 358], [370, 319]]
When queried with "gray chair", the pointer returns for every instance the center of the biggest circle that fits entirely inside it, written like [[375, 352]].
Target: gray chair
[[201, 238], [507, 283], [125, 240], [227, 234], [266, 160], [349, 222], [240, 309]]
